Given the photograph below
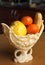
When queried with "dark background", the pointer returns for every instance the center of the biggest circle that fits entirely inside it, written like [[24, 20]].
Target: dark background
[[11, 10]]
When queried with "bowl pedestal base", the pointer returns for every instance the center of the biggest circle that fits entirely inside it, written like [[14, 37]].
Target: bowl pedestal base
[[22, 56]]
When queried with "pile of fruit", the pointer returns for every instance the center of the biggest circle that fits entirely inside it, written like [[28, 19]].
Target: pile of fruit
[[27, 25]]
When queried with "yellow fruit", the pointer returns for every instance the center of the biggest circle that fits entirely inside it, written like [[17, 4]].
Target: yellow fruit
[[19, 28]]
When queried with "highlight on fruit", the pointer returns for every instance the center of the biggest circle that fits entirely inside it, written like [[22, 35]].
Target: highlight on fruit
[[19, 28], [27, 25]]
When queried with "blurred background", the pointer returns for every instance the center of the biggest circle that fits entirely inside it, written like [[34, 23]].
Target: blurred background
[[11, 10], [22, 3]]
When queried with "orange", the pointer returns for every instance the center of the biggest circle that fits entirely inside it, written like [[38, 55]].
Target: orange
[[33, 28], [27, 20]]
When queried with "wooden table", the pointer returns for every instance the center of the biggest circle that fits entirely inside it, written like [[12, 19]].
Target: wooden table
[[6, 52]]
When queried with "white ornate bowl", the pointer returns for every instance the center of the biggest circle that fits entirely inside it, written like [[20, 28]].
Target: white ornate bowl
[[23, 44]]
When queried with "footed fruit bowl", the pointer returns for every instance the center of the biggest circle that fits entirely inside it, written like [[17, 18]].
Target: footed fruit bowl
[[23, 44]]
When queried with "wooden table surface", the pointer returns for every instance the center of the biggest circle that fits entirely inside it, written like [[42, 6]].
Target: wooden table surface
[[6, 52]]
